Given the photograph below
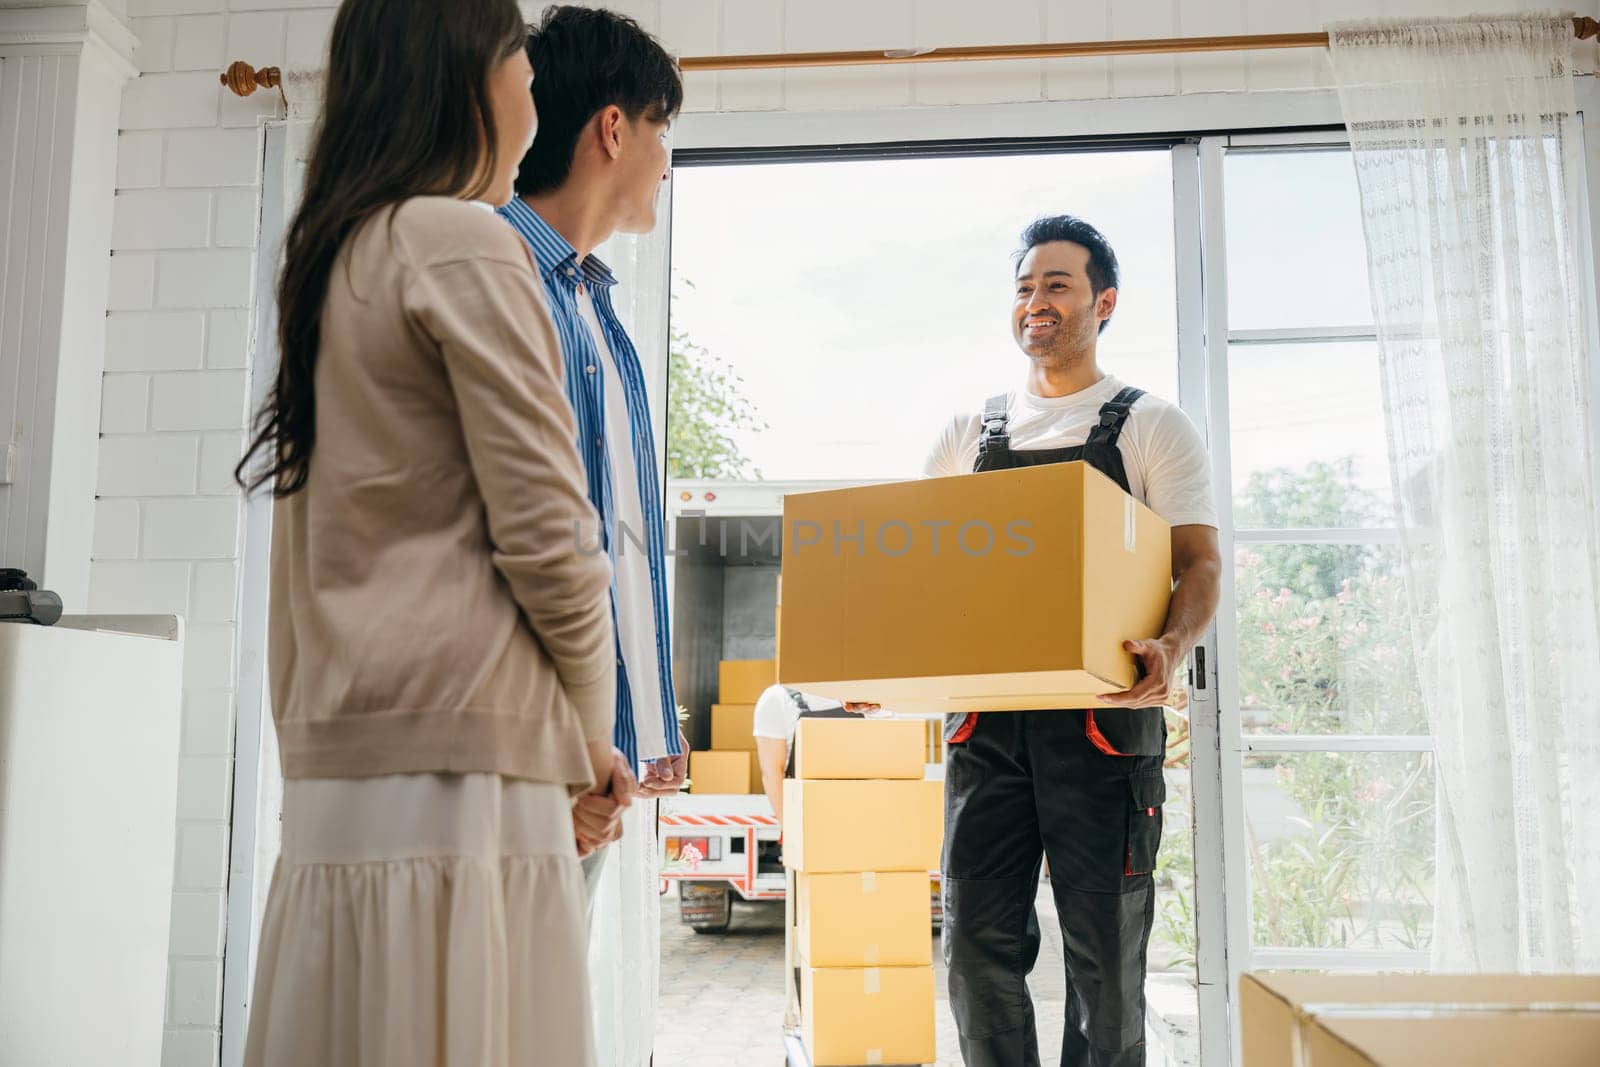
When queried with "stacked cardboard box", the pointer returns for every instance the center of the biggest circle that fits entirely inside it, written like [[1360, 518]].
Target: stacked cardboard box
[[862, 829], [1386, 1020], [730, 766]]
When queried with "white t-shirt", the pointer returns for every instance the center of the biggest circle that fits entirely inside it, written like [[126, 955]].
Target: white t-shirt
[[636, 616], [777, 714], [1162, 453]]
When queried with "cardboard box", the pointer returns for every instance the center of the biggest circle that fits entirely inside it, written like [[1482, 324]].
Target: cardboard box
[[860, 748], [1004, 591], [1276, 1008], [862, 826], [732, 726], [864, 920], [1459, 1038], [742, 681], [721, 772], [851, 1016]]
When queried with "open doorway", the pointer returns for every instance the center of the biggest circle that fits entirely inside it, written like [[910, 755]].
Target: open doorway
[[829, 316]]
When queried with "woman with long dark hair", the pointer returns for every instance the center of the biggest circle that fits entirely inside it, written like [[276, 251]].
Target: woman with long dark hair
[[441, 656]]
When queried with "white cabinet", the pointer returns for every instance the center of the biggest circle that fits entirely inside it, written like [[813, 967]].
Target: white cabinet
[[89, 736]]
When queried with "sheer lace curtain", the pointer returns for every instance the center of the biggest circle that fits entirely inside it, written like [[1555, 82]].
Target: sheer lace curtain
[[625, 950], [1468, 153]]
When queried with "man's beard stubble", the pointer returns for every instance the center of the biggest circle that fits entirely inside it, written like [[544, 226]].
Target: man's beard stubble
[[1072, 343]]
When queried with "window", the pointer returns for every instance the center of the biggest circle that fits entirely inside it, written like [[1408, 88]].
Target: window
[[1336, 776], [861, 303]]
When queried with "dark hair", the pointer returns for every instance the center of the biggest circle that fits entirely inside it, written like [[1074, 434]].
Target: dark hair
[[1103, 271], [584, 60], [406, 113]]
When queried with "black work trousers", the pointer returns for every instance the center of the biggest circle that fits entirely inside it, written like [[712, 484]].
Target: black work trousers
[[1032, 784]]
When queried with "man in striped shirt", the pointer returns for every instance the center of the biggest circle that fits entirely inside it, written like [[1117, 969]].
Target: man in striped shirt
[[606, 93]]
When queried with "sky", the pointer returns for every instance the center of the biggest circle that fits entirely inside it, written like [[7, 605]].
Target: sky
[[864, 303]]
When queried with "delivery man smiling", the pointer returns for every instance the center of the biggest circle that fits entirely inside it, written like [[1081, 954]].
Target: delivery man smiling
[[1082, 788]]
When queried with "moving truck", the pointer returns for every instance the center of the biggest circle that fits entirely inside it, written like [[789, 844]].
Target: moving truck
[[724, 543]]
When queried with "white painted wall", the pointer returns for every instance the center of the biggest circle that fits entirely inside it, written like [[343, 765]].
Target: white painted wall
[[168, 520], [62, 69]]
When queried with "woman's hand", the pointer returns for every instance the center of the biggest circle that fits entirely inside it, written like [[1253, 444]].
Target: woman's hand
[[597, 814]]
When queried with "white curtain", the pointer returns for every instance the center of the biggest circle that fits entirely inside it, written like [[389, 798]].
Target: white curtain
[[1468, 153], [625, 949], [625, 944]]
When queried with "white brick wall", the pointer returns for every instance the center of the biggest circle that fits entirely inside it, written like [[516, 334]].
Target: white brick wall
[[125, 403], [182, 281], [190, 528], [116, 530], [148, 465], [155, 341], [162, 218], [212, 157], [207, 723], [138, 160], [205, 279], [133, 283], [167, 524], [197, 43], [207, 400], [202, 857]]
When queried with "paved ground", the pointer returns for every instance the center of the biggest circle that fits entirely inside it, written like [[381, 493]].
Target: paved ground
[[722, 994]]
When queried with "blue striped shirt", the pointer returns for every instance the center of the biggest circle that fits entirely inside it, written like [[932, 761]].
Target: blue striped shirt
[[585, 372]]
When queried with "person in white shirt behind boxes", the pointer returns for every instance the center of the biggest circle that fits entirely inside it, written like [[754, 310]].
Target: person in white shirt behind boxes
[[776, 718]]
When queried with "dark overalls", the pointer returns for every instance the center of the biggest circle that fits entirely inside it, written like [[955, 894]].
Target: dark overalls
[[1081, 787]]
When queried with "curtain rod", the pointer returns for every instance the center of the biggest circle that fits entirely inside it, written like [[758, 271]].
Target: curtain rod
[[244, 79], [1583, 28]]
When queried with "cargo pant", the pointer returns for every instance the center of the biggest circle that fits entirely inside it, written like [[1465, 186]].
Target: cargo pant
[[1041, 783]]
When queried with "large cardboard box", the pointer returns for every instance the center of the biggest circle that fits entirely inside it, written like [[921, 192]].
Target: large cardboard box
[[851, 1016], [1460, 1038], [1004, 591], [862, 826], [1276, 1008], [721, 772], [742, 681], [860, 748], [864, 920], [732, 726]]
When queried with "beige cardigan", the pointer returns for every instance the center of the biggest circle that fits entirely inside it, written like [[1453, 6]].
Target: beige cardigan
[[430, 607]]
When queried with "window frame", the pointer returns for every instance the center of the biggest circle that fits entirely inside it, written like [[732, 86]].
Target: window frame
[[1237, 744]]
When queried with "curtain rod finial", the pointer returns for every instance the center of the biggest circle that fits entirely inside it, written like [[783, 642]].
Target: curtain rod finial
[[243, 79]]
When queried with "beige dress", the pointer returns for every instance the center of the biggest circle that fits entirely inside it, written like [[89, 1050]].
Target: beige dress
[[423, 920], [438, 657]]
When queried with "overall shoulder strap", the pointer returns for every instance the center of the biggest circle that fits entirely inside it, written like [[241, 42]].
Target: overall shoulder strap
[[1113, 415], [994, 436]]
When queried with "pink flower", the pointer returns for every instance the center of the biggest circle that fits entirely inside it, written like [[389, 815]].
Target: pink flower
[[1373, 791]]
